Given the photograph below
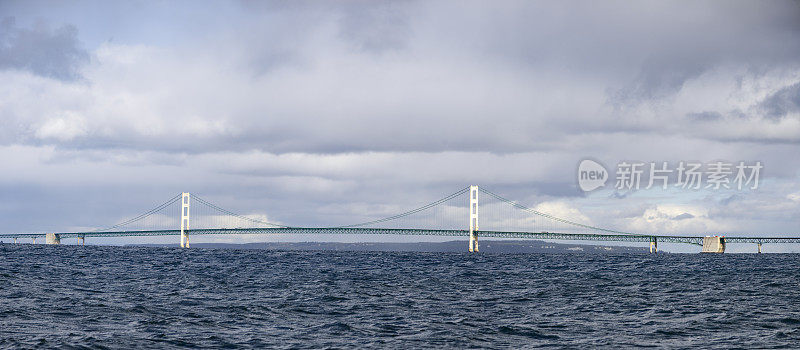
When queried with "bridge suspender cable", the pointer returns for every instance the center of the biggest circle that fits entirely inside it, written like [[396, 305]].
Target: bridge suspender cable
[[144, 215], [413, 211], [522, 207], [228, 212]]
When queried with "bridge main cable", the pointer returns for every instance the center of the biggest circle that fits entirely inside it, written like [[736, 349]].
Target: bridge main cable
[[143, 215], [410, 212], [238, 216], [522, 207]]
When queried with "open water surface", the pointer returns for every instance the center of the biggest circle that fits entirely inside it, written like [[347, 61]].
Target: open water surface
[[119, 297]]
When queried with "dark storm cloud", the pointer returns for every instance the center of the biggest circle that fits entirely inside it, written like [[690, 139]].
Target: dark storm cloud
[[708, 35], [50, 53], [659, 78], [782, 103]]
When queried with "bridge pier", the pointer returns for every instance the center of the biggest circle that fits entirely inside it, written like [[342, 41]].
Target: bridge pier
[[52, 238], [759, 247], [15, 240], [653, 245], [185, 219], [473, 219], [715, 244], [82, 239]]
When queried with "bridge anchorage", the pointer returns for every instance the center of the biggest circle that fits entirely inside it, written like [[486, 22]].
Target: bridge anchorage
[[716, 244], [52, 238]]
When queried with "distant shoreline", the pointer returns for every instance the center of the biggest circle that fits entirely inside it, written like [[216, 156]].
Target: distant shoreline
[[489, 246]]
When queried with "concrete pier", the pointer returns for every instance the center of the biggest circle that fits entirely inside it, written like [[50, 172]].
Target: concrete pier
[[714, 244], [52, 238]]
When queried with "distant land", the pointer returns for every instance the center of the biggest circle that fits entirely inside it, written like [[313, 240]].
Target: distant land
[[488, 246]]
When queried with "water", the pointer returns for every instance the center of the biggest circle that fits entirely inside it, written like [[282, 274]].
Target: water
[[159, 297]]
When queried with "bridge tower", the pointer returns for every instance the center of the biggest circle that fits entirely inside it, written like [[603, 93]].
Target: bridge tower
[[185, 198], [473, 218]]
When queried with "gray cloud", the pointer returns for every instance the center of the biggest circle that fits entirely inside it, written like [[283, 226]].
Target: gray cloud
[[301, 109], [659, 78], [50, 53], [730, 199], [704, 40], [375, 27], [705, 116], [782, 103], [319, 87]]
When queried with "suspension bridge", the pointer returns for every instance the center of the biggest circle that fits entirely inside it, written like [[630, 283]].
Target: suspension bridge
[[459, 214]]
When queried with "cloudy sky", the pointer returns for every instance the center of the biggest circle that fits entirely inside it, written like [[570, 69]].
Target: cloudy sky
[[287, 109]]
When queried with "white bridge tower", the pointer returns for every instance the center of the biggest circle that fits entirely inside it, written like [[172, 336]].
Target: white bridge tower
[[185, 197], [473, 218]]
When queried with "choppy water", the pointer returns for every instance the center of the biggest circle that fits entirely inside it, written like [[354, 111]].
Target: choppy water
[[158, 297]]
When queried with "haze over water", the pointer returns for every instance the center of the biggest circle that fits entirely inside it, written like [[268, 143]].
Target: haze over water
[[55, 296]]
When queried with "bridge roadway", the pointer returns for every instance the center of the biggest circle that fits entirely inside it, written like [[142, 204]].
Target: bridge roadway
[[698, 240]]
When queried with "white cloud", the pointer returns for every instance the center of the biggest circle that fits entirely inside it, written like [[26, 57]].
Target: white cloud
[[673, 219], [64, 128], [563, 210]]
